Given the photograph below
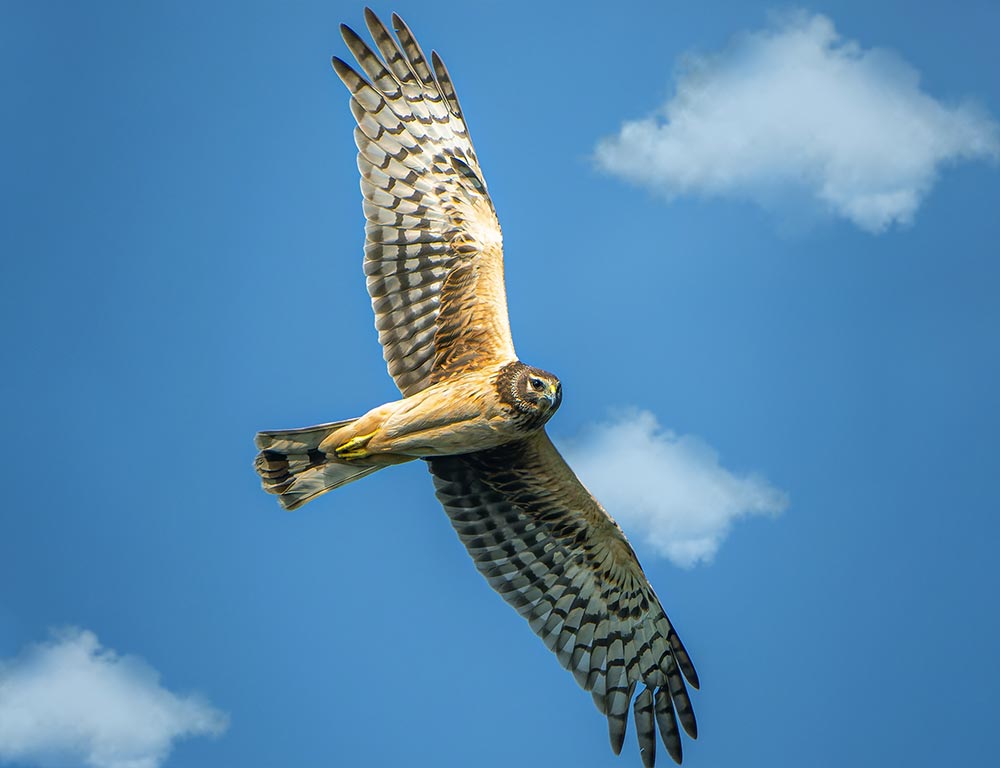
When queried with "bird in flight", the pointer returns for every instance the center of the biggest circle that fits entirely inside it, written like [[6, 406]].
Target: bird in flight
[[473, 411]]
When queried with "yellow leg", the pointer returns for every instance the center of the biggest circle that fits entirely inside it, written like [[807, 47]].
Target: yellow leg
[[354, 448]]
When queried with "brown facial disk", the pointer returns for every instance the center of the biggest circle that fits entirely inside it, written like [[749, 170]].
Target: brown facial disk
[[535, 394]]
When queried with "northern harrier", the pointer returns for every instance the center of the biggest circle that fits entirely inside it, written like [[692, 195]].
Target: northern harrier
[[472, 410]]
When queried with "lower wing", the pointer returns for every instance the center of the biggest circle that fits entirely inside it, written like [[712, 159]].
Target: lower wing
[[552, 552]]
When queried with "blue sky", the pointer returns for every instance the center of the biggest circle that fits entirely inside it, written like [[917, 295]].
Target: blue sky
[[814, 380]]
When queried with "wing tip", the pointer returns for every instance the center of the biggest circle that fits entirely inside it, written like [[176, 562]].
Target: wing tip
[[340, 66], [616, 732]]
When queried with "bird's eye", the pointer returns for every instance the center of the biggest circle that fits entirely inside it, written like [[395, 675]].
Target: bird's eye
[[536, 384]]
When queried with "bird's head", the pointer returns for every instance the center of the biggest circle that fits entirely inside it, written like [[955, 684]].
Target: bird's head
[[539, 388], [537, 391]]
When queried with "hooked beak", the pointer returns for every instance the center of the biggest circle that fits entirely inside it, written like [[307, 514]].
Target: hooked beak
[[553, 395]]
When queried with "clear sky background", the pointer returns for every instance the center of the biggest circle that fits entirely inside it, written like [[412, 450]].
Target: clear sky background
[[772, 299]]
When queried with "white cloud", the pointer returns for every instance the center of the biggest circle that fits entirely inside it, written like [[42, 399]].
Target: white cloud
[[669, 490], [796, 109], [71, 702]]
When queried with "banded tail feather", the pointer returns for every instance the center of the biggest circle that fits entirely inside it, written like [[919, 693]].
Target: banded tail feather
[[292, 466]]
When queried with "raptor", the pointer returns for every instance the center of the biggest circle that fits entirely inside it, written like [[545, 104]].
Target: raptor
[[473, 411]]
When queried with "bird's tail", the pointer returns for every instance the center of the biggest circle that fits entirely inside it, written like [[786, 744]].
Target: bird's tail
[[292, 467]]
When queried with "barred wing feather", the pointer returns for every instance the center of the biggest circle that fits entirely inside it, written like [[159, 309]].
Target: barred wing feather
[[433, 251], [552, 552]]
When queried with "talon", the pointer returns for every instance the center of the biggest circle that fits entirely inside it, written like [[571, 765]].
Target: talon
[[354, 448]]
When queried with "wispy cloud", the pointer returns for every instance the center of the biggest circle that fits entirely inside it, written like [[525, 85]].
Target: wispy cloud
[[72, 702], [668, 489], [795, 109]]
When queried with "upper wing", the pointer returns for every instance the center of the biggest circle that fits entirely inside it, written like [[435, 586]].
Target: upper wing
[[552, 552], [433, 252]]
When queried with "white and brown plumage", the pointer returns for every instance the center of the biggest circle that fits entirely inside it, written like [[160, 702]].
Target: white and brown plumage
[[434, 266]]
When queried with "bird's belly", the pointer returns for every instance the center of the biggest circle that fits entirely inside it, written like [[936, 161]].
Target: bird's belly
[[453, 418], [447, 439]]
